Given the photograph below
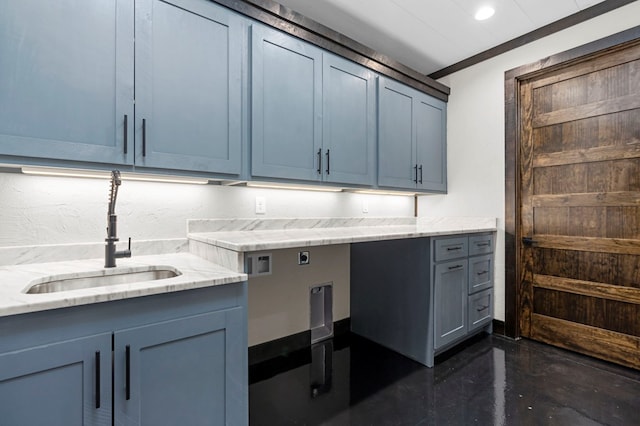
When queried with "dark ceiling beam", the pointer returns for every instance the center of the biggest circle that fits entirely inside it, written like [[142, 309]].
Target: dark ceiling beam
[[554, 27]]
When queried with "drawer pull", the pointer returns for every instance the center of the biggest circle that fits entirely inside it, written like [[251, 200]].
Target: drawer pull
[[482, 244], [482, 308], [144, 137], [454, 248], [483, 272], [451, 268], [126, 133], [128, 372], [97, 379]]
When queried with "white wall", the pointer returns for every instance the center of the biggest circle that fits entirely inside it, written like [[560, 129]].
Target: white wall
[[55, 210], [476, 127]]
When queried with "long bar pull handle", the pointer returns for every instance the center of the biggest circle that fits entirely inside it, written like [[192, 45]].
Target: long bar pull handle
[[454, 248], [128, 373], [97, 379], [482, 308], [328, 161], [319, 161], [420, 168], [482, 272], [144, 137], [126, 133], [451, 268], [415, 171]]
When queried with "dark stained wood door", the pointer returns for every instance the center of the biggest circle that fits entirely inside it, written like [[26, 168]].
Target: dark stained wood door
[[580, 195]]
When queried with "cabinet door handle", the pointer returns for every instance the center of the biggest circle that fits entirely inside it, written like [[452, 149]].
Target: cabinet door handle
[[126, 133], [319, 161], [482, 272], [420, 168], [454, 248], [144, 137], [451, 268], [328, 161], [482, 308], [128, 373], [415, 172], [98, 378]]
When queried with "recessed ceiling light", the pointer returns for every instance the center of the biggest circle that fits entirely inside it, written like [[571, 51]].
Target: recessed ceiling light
[[484, 12]]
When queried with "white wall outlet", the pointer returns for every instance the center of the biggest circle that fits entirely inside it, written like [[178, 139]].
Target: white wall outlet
[[365, 206], [261, 205], [303, 258]]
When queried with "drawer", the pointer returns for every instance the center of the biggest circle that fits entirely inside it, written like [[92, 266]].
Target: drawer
[[480, 273], [480, 244], [450, 248], [480, 309]]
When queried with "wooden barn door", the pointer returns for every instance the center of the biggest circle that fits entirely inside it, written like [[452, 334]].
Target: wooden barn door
[[580, 211]]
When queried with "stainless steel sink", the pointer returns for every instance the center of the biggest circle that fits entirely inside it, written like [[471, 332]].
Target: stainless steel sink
[[101, 278]]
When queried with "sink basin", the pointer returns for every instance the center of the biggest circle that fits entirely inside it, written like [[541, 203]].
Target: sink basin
[[101, 278]]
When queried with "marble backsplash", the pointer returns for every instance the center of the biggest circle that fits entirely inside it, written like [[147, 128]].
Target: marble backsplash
[[22, 255], [253, 224]]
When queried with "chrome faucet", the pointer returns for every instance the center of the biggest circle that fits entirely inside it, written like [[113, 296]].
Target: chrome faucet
[[110, 253]]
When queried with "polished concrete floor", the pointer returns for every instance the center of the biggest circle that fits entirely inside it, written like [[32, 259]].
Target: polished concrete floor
[[491, 381]]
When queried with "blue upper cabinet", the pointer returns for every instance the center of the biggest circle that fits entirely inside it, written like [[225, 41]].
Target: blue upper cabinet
[[431, 143], [66, 79], [188, 86], [313, 113], [348, 122], [412, 139], [67, 85], [396, 141], [286, 77]]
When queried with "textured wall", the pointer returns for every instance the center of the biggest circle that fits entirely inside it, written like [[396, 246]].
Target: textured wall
[[476, 127], [55, 210]]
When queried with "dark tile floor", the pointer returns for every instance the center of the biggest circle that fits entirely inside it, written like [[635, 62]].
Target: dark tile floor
[[491, 381]]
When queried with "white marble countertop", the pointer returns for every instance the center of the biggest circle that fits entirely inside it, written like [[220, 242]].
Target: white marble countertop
[[257, 236], [195, 272]]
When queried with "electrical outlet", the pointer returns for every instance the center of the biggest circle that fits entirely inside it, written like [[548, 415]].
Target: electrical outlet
[[365, 206], [261, 205], [303, 258]]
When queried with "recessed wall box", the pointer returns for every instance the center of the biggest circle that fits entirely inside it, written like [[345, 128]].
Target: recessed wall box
[[258, 264], [303, 258]]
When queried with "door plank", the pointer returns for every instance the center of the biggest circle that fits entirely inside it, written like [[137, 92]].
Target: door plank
[[603, 344], [525, 294], [597, 199], [588, 288], [610, 60], [594, 109], [591, 244], [603, 153]]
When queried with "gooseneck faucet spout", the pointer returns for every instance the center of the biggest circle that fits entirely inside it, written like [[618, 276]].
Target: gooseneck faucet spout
[[110, 252]]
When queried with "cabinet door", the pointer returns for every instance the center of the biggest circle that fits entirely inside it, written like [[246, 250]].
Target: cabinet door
[[450, 302], [189, 371], [348, 94], [286, 106], [430, 119], [61, 384], [397, 165], [67, 79], [188, 86]]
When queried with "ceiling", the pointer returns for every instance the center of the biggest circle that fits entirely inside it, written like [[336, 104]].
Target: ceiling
[[428, 35]]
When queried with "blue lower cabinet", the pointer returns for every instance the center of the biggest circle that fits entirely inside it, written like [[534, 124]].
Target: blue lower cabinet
[[171, 359], [62, 384], [179, 372]]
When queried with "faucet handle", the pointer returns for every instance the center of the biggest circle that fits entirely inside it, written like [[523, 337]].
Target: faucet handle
[[129, 244]]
